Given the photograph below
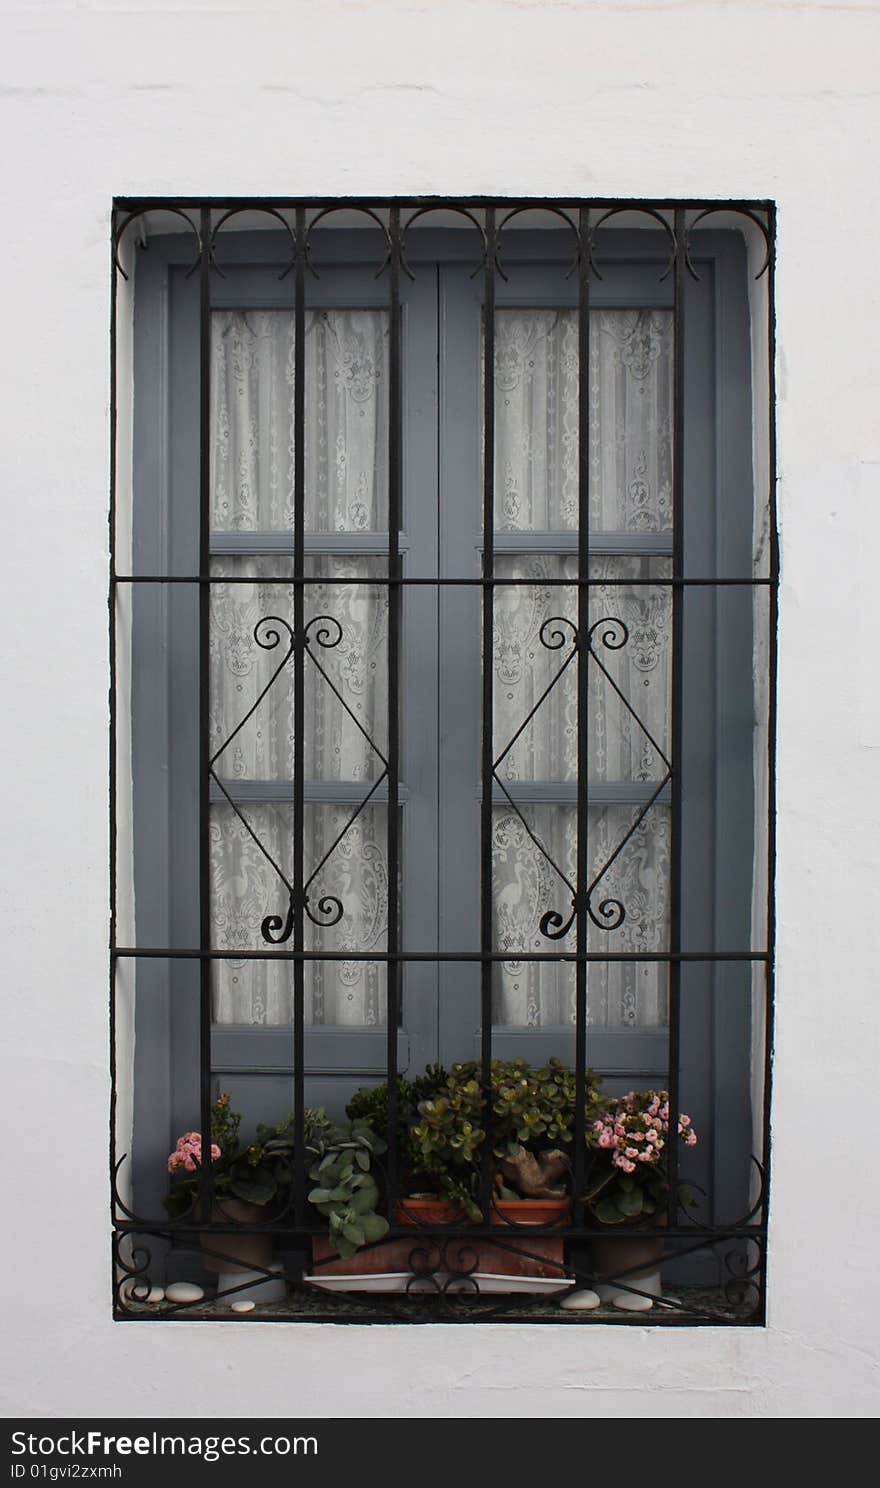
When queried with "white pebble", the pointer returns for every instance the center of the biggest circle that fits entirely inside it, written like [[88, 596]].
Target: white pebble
[[632, 1302], [157, 1294], [183, 1291], [242, 1306], [582, 1301]]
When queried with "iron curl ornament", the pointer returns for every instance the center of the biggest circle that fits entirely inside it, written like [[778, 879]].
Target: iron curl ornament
[[609, 914]]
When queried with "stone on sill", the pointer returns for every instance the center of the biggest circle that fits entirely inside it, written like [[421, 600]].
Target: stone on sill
[[580, 1301], [242, 1306], [631, 1302], [183, 1291], [156, 1294]]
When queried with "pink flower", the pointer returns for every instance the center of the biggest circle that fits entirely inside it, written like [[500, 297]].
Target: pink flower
[[691, 1139], [188, 1153]]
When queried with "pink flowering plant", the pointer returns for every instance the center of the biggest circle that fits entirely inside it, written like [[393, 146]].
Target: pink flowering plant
[[249, 1174], [628, 1138]]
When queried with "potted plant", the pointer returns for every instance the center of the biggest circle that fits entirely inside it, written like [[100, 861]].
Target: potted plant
[[441, 1140], [244, 1185], [345, 1190], [629, 1186], [251, 1186]]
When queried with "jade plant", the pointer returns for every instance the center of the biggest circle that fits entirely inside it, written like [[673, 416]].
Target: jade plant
[[442, 1131]]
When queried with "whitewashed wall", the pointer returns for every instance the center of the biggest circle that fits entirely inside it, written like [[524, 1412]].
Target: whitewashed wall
[[660, 97]]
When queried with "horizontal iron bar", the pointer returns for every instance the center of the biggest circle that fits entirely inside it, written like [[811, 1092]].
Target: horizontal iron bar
[[255, 203], [496, 583], [498, 1232], [468, 1231], [188, 954]]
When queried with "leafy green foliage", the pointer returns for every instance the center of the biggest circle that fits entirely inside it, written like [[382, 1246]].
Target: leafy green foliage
[[441, 1128], [346, 1192], [259, 1173]]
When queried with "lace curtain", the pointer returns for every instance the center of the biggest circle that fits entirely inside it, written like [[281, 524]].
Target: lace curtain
[[346, 481]]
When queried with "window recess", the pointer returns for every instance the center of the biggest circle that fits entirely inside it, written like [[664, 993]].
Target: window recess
[[443, 610]]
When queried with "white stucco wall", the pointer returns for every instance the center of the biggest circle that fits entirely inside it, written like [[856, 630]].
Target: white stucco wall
[[660, 97]]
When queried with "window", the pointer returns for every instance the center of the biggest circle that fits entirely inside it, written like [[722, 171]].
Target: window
[[450, 704]]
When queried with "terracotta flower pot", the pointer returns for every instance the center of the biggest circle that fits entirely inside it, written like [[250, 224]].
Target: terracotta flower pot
[[389, 1255], [531, 1211], [240, 1252], [541, 1255]]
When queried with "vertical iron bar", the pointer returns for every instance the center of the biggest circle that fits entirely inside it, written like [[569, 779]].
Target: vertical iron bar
[[394, 605], [675, 732], [111, 608], [299, 502], [770, 978], [487, 709], [205, 1175], [583, 684]]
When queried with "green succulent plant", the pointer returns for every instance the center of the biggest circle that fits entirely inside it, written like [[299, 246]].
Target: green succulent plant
[[346, 1192], [441, 1131], [340, 1161]]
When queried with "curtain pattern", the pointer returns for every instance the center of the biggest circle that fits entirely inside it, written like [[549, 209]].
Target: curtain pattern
[[346, 483], [536, 420], [253, 426]]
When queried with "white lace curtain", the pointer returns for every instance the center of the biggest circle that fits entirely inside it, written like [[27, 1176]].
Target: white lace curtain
[[536, 375]]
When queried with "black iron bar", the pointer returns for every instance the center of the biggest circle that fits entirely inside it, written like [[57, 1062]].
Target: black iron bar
[[392, 823], [320, 203], [299, 519], [495, 1232], [111, 644], [676, 720], [488, 677], [583, 715], [170, 953], [205, 979], [386, 581], [772, 620]]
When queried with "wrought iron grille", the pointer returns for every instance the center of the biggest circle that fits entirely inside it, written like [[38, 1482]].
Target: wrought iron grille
[[442, 1265]]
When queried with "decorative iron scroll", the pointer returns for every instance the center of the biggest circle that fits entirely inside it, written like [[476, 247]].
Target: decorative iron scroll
[[557, 632], [324, 631]]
